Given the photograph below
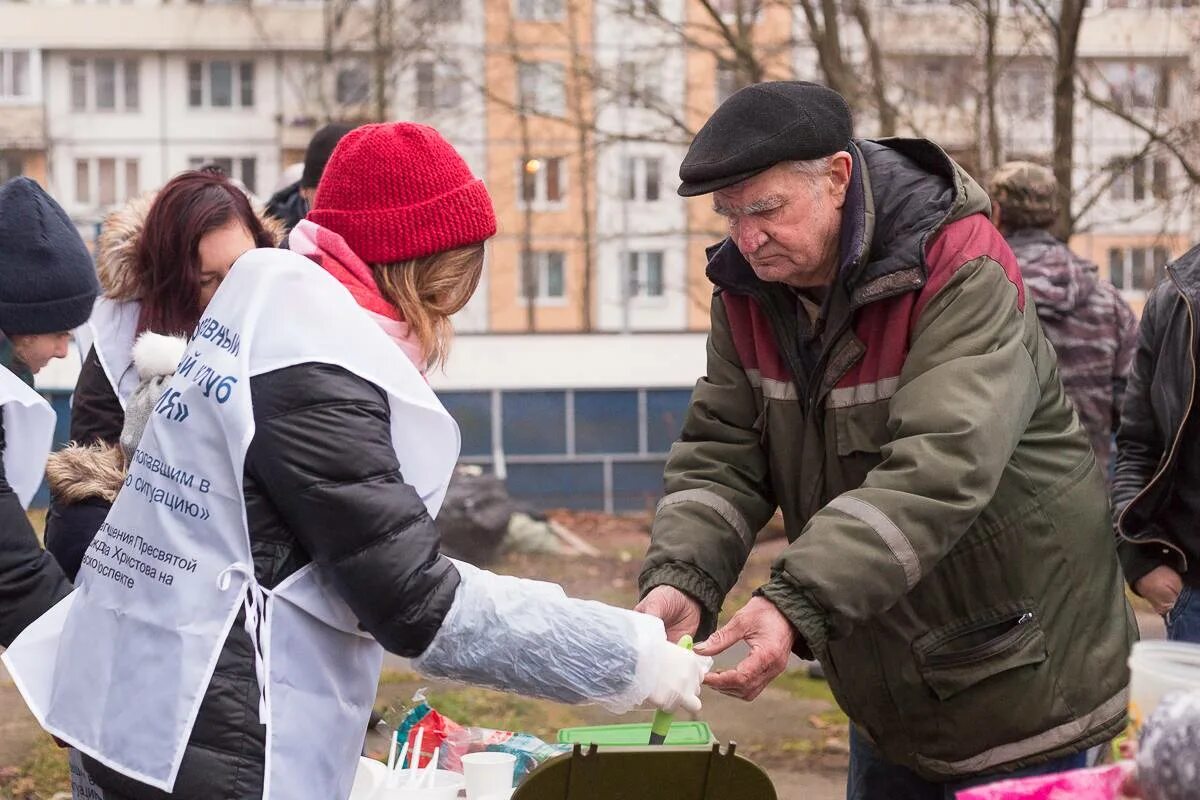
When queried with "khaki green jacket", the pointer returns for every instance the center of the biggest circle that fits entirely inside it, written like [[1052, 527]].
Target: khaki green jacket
[[951, 563]]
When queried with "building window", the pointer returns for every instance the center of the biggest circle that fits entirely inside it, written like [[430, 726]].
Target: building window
[[728, 80], [644, 273], [437, 11], [542, 181], [439, 85], [105, 182], [220, 84], [244, 169], [1137, 85], [17, 81], [542, 275], [641, 179], [746, 11], [1137, 268], [11, 166], [104, 84], [541, 88], [642, 8], [639, 85], [539, 10], [353, 84], [1141, 180], [1025, 92], [937, 81]]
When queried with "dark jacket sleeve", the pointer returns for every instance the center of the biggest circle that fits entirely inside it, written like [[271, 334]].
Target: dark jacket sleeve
[[96, 413], [30, 579], [1140, 442], [322, 452]]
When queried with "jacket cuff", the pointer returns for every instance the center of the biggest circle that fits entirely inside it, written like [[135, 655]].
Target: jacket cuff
[[801, 610], [1138, 561], [692, 581]]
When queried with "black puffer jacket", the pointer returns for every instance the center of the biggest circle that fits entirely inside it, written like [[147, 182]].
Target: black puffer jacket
[[322, 484], [1158, 402], [30, 579]]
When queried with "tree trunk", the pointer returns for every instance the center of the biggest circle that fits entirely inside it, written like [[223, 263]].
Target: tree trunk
[[383, 32], [1066, 56], [991, 76], [583, 130]]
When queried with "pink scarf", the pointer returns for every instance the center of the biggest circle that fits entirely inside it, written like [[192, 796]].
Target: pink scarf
[[331, 252]]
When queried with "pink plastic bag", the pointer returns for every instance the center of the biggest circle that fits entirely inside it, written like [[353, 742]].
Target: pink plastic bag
[[1102, 783]]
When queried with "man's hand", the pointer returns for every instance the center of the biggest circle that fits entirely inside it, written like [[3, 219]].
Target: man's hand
[[770, 637], [678, 611], [1161, 586]]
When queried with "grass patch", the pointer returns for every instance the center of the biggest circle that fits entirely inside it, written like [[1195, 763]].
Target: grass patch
[[42, 775], [37, 518], [797, 683], [487, 709]]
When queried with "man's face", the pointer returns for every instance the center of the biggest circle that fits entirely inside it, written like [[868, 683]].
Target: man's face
[[36, 350], [786, 223]]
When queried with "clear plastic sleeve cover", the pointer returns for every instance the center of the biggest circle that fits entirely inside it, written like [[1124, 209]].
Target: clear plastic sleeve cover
[[528, 637]]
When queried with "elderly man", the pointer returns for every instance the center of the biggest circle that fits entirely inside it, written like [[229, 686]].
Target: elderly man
[[874, 372], [1092, 328]]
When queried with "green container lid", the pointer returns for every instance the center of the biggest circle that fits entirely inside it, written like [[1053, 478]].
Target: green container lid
[[634, 734]]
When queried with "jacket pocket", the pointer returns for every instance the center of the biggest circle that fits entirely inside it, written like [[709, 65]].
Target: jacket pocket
[[861, 428], [956, 657]]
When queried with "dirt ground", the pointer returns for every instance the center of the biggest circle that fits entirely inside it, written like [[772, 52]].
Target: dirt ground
[[793, 730]]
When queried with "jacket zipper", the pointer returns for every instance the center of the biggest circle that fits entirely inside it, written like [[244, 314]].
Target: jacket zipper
[[1178, 434], [982, 651]]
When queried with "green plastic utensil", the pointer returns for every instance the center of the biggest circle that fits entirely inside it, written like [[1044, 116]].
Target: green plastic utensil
[[662, 719]]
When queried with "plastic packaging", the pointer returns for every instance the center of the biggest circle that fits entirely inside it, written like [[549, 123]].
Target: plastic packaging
[[1103, 783], [1156, 669], [529, 751], [528, 637], [1169, 749]]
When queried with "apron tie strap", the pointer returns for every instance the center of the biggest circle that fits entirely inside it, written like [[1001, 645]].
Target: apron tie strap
[[255, 605]]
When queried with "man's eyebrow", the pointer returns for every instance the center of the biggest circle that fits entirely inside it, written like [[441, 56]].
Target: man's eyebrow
[[768, 203]]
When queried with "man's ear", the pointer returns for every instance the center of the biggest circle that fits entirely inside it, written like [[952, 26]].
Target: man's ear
[[840, 171], [996, 214]]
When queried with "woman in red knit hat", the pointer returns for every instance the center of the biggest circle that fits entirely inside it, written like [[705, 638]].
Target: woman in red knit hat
[[276, 532]]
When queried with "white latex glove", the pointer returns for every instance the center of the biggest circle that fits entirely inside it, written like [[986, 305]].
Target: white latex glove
[[678, 675]]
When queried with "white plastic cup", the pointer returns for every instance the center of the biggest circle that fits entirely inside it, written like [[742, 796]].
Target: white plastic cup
[[488, 773], [444, 786], [369, 776], [1157, 669]]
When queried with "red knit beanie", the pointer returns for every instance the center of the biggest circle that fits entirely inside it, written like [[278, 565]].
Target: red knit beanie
[[398, 191]]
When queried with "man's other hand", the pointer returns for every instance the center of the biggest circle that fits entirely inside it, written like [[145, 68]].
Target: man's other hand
[[678, 611], [770, 637], [1161, 586]]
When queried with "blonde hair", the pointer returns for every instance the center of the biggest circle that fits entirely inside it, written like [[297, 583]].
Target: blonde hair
[[429, 290]]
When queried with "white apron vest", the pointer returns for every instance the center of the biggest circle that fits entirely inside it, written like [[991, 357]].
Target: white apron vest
[[119, 668], [112, 329], [28, 435]]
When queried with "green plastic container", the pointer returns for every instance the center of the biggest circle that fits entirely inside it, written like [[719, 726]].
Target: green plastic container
[[635, 734]]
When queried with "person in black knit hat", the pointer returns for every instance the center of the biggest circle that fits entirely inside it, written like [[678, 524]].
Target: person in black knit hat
[[291, 203], [47, 281], [47, 287]]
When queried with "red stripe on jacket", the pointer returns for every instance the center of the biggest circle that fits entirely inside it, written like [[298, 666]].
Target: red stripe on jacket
[[885, 326]]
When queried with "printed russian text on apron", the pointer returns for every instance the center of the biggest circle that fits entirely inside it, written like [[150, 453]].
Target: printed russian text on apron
[[119, 668], [112, 329], [82, 785], [28, 435]]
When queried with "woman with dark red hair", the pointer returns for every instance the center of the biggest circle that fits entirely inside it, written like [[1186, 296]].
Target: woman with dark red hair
[[160, 260]]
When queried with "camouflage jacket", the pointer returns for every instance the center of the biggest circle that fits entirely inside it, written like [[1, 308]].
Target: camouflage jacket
[[1091, 327]]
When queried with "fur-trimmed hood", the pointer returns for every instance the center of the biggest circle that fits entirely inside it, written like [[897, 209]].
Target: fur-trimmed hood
[[80, 472], [117, 245]]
